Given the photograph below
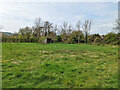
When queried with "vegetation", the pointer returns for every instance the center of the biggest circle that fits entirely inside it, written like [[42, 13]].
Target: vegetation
[[35, 65], [28, 63], [65, 33]]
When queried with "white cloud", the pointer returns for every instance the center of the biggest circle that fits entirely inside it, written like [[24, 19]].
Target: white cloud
[[103, 26], [60, 1], [79, 17], [16, 15]]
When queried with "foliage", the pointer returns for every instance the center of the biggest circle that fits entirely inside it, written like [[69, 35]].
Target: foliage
[[75, 36], [111, 38], [67, 34], [92, 37], [42, 39], [58, 39]]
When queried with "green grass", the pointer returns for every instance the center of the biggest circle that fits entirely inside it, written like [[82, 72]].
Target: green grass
[[34, 65]]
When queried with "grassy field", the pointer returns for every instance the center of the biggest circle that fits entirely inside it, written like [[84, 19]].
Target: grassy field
[[34, 65]]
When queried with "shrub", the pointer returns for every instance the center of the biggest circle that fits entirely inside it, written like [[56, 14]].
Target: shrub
[[42, 39], [58, 38]]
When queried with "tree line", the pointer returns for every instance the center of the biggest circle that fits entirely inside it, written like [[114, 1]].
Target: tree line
[[65, 33]]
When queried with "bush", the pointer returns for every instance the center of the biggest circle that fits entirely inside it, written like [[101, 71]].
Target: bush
[[75, 36], [21, 39], [71, 40], [42, 39], [110, 38], [58, 39]]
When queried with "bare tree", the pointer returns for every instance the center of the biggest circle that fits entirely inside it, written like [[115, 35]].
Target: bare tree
[[78, 27], [117, 26], [64, 29], [70, 28], [37, 28], [86, 28], [55, 29], [47, 28]]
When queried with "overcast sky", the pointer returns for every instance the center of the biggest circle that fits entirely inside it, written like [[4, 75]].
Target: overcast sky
[[14, 15]]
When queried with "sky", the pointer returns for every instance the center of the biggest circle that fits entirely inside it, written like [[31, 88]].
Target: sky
[[15, 15]]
